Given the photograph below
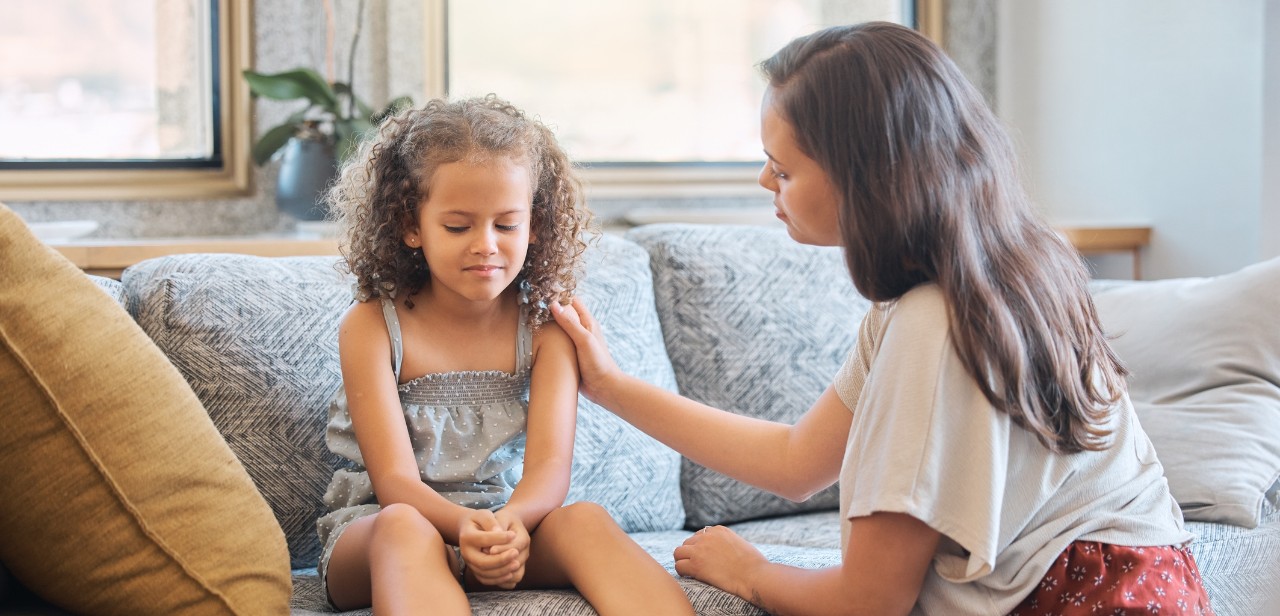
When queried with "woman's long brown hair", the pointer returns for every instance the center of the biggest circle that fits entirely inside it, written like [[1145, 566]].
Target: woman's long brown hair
[[930, 193]]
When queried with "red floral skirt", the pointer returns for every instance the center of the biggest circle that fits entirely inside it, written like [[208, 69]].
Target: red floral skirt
[[1092, 579]]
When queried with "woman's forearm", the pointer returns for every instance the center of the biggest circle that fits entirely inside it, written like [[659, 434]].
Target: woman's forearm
[[783, 590], [745, 448]]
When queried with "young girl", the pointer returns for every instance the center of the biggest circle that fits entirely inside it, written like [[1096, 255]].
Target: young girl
[[988, 456], [462, 221]]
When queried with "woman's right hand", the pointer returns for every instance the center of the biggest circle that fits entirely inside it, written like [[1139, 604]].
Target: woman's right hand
[[596, 367]]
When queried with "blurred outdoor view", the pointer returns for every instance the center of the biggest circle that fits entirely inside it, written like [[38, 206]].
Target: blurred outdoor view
[[116, 80], [658, 80]]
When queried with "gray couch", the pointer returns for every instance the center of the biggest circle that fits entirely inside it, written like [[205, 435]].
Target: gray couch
[[739, 317]]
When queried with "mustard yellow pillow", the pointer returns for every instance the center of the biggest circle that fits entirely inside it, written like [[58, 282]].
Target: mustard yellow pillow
[[119, 496]]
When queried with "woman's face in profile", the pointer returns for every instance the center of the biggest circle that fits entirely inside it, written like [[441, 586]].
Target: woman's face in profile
[[805, 198]]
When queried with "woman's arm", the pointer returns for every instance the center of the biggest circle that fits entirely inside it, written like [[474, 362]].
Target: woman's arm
[[793, 461], [364, 348], [553, 412], [882, 572]]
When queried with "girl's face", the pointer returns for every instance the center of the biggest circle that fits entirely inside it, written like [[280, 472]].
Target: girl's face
[[805, 198], [473, 227]]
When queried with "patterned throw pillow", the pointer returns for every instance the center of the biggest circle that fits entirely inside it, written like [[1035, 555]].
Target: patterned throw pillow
[[257, 340], [755, 324], [633, 476], [119, 497]]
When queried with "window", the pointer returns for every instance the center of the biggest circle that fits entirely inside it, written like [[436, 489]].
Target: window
[[654, 95], [127, 99]]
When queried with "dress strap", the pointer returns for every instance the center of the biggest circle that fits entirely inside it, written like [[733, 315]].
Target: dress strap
[[393, 328], [524, 342]]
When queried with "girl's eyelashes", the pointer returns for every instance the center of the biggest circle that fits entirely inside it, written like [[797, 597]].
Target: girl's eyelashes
[[464, 228]]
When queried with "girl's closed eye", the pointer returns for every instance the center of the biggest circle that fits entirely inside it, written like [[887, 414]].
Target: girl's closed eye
[[456, 228], [510, 227]]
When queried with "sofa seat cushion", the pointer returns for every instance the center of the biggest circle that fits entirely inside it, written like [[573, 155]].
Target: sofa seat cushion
[[756, 324], [309, 598], [257, 340], [120, 496], [1240, 566], [819, 529]]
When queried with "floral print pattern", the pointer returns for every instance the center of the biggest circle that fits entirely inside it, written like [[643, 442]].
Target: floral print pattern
[[1099, 579]]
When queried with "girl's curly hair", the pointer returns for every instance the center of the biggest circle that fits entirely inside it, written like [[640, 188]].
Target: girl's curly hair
[[377, 195]]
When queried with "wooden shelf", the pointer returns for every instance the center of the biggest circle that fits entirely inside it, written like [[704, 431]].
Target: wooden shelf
[[1090, 239], [110, 257]]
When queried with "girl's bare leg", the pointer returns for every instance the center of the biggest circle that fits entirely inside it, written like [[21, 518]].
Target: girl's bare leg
[[580, 545], [397, 562]]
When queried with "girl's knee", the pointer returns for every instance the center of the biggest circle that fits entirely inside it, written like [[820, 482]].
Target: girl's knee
[[402, 524], [581, 517]]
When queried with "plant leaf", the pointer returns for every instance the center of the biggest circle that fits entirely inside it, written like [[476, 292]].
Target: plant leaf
[[294, 84], [342, 88], [271, 141], [391, 109], [349, 133]]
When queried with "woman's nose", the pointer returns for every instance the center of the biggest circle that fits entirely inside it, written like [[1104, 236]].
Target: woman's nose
[[766, 178]]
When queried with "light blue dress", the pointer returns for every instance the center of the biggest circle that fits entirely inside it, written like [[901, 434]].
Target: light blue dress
[[467, 430]]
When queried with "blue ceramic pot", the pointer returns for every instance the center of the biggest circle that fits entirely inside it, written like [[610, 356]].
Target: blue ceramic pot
[[307, 167]]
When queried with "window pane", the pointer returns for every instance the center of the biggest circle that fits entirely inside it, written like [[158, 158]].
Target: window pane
[[652, 81], [119, 80]]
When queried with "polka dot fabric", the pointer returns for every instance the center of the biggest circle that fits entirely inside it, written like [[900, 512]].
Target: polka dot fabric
[[1099, 579]]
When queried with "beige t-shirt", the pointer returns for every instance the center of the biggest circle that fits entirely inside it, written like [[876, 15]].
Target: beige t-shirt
[[925, 442]]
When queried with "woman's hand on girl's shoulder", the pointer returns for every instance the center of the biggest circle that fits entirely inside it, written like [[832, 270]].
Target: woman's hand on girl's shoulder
[[596, 367]]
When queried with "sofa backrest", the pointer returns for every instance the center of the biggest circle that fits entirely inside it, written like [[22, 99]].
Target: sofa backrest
[[257, 340], [754, 323]]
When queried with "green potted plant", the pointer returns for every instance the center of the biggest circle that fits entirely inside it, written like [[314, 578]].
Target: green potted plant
[[333, 110], [315, 139]]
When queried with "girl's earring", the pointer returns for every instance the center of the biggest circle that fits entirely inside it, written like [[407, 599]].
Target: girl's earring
[[525, 288]]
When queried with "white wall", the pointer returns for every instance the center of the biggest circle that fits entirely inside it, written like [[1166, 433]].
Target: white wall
[[1271, 133], [1149, 111]]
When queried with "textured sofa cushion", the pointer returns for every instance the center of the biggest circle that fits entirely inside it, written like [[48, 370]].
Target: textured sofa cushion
[[120, 496], [1240, 566], [257, 340], [633, 476], [113, 288], [1205, 358], [755, 324], [706, 599]]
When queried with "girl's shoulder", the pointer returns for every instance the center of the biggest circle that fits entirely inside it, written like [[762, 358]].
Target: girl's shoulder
[[550, 336], [361, 312]]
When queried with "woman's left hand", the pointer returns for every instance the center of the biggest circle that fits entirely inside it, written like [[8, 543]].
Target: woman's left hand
[[719, 557]]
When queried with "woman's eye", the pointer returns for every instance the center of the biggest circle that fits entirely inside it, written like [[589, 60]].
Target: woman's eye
[[507, 227], [780, 175], [454, 229]]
